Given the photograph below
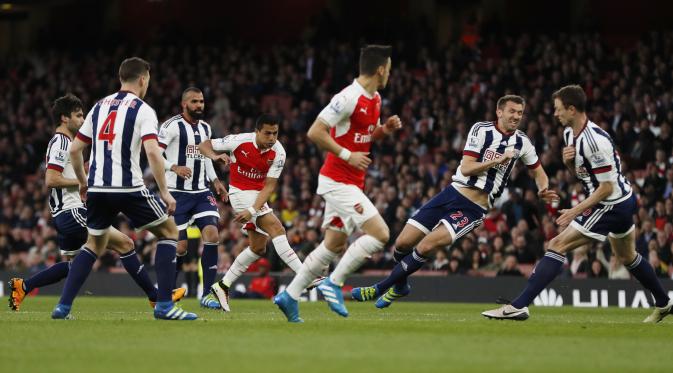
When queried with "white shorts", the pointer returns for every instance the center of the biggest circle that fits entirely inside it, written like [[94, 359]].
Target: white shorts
[[341, 201], [242, 199]]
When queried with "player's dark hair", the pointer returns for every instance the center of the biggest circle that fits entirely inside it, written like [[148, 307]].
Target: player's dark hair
[[188, 90], [65, 105], [572, 95], [502, 101], [133, 68], [266, 119], [373, 56]]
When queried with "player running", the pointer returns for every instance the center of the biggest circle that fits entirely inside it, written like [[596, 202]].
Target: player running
[[69, 213], [180, 137], [257, 159], [346, 128], [116, 128], [607, 212], [490, 152]]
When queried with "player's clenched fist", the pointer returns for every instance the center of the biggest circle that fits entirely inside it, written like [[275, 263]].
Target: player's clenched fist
[[392, 124], [568, 154]]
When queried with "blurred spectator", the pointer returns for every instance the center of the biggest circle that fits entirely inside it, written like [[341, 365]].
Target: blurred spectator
[[262, 286], [597, 270], [510, 267]]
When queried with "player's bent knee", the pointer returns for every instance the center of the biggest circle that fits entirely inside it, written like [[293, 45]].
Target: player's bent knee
[[260, 251], [425, 248], [182, 247], [557, 245], [382, 235], [166, 230], [276, 229], [210, 234], [404, 244]]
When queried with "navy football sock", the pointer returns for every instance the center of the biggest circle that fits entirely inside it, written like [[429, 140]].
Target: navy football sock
[[209, 265], [139, 274], [164, 263], [543, 274], [49, 276], [397, 257], [179, 261], [79, 271], [410, 264], [643, 272]]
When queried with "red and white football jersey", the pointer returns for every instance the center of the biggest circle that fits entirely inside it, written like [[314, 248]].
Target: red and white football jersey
[[250, 165], [353, 115]]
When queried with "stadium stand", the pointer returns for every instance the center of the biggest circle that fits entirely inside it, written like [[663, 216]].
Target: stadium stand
[[438, 94]]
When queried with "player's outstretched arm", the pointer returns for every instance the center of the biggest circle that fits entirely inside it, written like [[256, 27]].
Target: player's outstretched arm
[[206, 148], [391, 125], [602, 192], [469, 166], [542, 182], [156, 160], [319, 135], [270, 184]]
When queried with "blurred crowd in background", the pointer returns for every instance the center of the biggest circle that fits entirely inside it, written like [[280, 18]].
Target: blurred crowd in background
[[438, 94]]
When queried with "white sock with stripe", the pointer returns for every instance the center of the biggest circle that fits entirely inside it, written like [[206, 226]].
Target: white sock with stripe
[[314, 266], [356, 254], [240, 265], [286, 253]]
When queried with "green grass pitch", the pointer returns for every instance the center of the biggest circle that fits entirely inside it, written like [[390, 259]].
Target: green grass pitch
[[120, 335]]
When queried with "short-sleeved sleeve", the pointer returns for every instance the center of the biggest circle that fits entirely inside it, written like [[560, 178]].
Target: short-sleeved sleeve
[[528, 154], [278, 164], [147, 122], [85, 132], [227, 143], [57, 156], [600, 158], [167, 132], [339, 109], [475, 142]]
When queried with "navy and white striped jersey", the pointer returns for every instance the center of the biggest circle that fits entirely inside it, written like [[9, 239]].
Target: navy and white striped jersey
[[597, 160], [486, 142], [58, 158], [115, 127], [180, 141]]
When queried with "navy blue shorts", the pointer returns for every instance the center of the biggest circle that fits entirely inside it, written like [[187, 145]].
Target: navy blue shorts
[[195, 208], [143, 209], [602, 220], [71, 230], [457, 213]]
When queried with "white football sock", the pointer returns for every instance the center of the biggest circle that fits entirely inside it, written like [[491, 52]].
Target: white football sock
[[356, 254], [286, 253], [314, 266], [240, 265]]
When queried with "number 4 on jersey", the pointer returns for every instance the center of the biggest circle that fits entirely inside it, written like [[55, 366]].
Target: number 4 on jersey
[[107, 132]]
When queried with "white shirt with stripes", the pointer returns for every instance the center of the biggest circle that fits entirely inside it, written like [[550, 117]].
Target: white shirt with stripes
[[180, 140], [597, 160], [116, 127], [486, 142], [58, 159]]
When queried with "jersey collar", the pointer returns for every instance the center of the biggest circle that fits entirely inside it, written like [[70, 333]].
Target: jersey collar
[[254, 143], [582, 130], [362, 89]]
